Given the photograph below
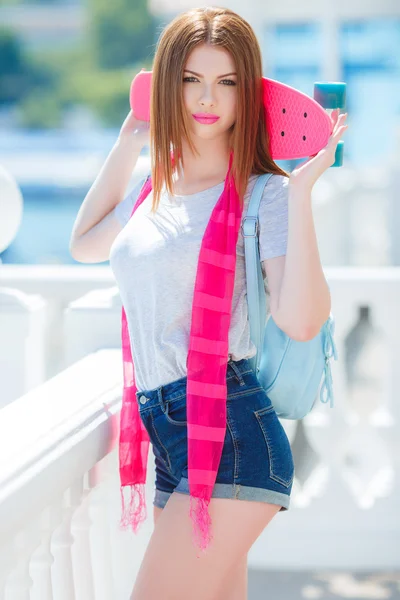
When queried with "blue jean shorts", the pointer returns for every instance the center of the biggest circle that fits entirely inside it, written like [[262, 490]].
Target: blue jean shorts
[[256, 462]]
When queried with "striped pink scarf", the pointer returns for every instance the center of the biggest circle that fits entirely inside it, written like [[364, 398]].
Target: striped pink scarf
[[206, 373]]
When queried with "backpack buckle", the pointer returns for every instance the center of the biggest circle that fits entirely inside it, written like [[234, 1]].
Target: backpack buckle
[[251, 225]]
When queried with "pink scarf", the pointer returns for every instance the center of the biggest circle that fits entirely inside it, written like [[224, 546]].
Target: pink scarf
[[206, 373]]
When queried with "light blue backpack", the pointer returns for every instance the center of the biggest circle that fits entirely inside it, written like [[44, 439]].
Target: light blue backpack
[[289, 371]]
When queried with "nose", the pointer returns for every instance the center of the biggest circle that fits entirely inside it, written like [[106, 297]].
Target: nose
[[206, 104], [207, 98]]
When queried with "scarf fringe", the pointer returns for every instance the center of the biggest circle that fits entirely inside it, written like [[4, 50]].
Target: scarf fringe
[[135, 513], [201, 522]]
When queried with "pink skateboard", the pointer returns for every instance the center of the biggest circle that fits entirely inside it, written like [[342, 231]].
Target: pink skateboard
[[298, 126]]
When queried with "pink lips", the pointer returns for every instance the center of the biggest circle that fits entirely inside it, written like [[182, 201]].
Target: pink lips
[[205, 118]]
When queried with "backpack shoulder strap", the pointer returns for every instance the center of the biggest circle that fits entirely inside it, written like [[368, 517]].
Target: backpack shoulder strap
[[256, 299]]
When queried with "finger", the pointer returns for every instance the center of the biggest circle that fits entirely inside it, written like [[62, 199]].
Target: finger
[[334, 117], [335, 139], [341, 118], [340, 126], [341, 130]]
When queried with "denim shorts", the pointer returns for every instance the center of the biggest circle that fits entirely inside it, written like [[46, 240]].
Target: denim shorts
[[256, 462]]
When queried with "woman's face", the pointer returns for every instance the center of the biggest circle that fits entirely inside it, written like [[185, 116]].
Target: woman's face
[[208, 92]]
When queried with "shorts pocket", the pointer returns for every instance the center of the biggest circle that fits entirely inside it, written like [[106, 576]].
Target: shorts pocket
[[281, 465], [148, 419], [232, 394], [175, 411]]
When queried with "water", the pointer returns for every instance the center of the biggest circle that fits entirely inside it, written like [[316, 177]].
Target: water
[[45, 231]]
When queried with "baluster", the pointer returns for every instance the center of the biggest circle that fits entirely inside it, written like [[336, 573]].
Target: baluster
[[7, 561], [81, 555], [42, 559], [19, 581], [61, 545], [100, 510]]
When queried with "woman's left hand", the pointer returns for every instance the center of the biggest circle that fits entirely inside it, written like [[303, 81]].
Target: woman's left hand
[[306, 174]]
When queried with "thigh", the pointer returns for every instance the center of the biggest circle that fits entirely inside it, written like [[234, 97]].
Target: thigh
[[156, 513], [236, 581], [181, 570]]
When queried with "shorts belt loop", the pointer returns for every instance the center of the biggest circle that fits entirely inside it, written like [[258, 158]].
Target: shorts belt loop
[[238, 374], [161, 399]]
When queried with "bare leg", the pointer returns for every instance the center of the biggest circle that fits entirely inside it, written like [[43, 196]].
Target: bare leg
[[156, 513], [235, 586], [236, 582], [172, 556]]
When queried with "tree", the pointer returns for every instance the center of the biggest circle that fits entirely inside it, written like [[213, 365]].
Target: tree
[[121, 32], [19, 74], [12, 67]]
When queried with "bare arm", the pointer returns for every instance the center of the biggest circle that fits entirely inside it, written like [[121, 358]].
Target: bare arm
[[300, 297], [95, 226], [274, 270]]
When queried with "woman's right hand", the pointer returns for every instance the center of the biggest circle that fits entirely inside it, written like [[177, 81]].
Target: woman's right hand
[[135, 129]]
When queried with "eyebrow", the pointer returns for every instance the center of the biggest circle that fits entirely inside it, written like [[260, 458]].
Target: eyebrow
[[199, 75]]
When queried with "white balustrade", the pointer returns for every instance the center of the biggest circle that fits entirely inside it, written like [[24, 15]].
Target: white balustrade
[[58, 285], [98, 313], [60, 504], [22, 347]]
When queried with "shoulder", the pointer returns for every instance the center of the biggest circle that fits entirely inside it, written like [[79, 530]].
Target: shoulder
[[123, 209], [275, 191], [273, 216], [276, 184], [275, 181]]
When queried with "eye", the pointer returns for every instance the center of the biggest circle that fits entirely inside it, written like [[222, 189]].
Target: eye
[[229, 81]]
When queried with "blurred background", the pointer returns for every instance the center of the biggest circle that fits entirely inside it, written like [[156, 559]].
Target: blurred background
[[65, 72]]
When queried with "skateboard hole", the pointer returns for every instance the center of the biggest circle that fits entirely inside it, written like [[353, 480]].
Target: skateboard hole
[[282, 133], [304, 137], [283, 110], [305, 115]]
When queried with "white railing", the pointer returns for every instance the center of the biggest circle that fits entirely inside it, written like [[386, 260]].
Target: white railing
[[58, 435], [57, 287], [59, 489]]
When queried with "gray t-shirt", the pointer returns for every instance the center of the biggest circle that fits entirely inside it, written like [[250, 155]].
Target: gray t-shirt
[[154, 261]]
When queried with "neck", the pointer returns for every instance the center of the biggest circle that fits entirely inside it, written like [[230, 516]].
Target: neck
[[211, 162]]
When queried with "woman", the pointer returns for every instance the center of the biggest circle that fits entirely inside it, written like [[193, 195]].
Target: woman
[[207, 61]]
